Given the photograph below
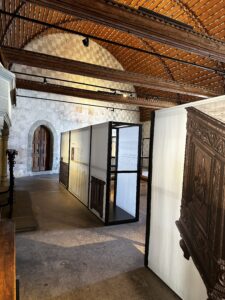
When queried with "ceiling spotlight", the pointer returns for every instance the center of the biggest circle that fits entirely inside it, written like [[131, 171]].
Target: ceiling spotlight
[[125, 95], [85, 42]]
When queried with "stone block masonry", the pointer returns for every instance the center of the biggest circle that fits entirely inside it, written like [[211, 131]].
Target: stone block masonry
[[58, 117]]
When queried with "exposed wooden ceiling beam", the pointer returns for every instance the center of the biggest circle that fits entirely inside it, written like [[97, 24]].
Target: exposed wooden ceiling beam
[[110, 13], [145, 114], [34, 59], [87, 94]]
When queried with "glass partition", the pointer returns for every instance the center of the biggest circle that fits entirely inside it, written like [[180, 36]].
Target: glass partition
[[124, 172]]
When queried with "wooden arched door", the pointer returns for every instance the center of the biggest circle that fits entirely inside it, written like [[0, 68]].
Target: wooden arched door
[[42, 151]]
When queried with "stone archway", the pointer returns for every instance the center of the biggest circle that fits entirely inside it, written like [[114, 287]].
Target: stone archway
[[54, 139]]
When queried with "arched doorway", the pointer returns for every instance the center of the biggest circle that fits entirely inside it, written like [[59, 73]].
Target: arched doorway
[[42, 149]]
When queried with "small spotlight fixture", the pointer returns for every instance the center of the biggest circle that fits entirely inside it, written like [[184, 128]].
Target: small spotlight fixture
[[125, 95], [85, 42]]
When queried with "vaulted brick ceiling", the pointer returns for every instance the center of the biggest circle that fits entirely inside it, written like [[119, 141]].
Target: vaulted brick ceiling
[[205, 16]]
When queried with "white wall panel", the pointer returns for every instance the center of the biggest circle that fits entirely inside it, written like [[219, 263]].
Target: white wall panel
[[79, 163], [165, 255], [126, 192], [64, 151], [7, 84], [99, 147], [99, 155], [128, 148]]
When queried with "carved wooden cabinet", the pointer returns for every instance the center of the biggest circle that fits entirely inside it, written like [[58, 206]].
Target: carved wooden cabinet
[[202, 219]]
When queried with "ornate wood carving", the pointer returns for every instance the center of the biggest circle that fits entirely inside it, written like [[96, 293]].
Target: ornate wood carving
[[11, 159], [11, 153], [202, 220]]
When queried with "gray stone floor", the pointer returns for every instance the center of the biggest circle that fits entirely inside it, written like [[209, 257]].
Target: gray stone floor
[[73, 256]]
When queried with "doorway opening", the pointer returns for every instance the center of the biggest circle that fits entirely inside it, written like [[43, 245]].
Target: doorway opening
[[42, 150], [124, 172]]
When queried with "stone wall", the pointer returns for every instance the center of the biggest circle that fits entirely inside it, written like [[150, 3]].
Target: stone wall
[[145, 142], [58, 117], [55, 113], [70, 46]]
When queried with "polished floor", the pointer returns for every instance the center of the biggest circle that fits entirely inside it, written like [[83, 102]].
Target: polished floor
[[73, 256]]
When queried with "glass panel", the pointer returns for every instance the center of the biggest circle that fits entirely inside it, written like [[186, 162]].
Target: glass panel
[[124, 206], [126, 192], [128, 148]]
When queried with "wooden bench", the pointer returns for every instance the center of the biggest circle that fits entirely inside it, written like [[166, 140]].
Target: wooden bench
[[7, 261]]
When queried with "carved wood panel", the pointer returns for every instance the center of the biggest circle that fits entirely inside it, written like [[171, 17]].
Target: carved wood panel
[[202, 219]]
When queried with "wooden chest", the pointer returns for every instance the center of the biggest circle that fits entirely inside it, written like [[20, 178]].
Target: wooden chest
[[202, 219]]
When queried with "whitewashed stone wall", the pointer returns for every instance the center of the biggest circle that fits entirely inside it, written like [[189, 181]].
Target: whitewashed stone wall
[[58, 117], [146, 129], [30, 113], [70, 46]]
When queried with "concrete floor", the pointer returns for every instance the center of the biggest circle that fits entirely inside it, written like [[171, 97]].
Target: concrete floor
[[72, 256]]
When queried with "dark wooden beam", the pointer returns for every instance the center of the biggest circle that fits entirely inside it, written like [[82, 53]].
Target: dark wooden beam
[[87, 94], [34, 59], [110, 13], [145, 114]]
